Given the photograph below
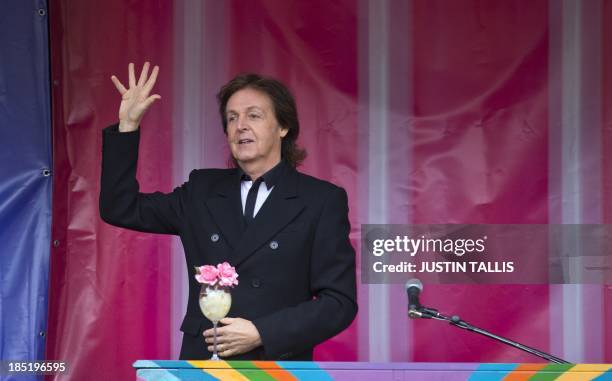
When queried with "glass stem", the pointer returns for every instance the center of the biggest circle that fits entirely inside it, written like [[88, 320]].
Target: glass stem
[[215, 357]]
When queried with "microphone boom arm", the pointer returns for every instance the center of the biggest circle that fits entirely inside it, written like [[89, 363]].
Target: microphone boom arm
[[431, 313]]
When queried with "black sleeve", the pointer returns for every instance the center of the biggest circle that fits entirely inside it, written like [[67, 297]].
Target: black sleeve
[[294, 330], [121, 203]]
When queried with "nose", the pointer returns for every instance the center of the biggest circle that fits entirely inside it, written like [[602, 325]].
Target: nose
[[242, 123]]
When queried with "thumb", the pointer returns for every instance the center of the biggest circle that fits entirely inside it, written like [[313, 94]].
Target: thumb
[[149, 101]]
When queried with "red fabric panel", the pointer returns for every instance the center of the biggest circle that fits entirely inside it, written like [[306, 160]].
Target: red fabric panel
[[109, 287], [315, 53], [480, 156]]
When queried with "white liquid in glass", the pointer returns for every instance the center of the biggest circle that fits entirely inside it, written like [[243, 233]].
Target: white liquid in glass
[[216, 304]]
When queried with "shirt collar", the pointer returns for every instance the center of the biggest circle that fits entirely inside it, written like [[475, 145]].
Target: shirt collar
[[270, 178]]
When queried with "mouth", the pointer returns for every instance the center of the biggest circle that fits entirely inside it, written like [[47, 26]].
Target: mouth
[[245, 141]]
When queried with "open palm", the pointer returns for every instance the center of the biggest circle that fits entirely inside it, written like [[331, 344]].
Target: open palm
[[135, 100]]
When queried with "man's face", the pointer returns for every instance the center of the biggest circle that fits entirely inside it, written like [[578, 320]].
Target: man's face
[[253, 133]]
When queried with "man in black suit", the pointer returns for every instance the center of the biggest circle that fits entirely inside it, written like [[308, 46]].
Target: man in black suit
[[285, 232]]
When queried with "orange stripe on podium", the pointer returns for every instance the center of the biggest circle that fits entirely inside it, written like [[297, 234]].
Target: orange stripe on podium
[[524, 372], [275, 371]]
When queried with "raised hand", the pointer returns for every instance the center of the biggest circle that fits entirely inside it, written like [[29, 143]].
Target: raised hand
[[136, 100]]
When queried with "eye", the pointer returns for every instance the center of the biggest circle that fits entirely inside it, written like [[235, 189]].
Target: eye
[[231, 117], [254, 116]]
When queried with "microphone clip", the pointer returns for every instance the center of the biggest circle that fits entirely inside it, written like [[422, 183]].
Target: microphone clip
[[420, 312]]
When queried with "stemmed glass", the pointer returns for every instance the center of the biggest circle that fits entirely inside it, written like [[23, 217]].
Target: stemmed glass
[[215, 303]]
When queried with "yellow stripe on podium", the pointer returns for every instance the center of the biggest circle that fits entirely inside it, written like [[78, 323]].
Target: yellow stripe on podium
[[219, 369], [584, 372]]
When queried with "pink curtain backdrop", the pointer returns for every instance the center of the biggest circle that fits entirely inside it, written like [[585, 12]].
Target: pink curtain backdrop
[[480, 155], [424, 111]]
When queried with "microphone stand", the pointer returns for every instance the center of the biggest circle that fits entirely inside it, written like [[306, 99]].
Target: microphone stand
[[430, 313]]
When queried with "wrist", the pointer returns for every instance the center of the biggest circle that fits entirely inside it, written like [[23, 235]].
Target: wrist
[[127, 126], [256, 337]]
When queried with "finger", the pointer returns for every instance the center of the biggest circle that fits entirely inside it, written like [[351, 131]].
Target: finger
[[146, 104], [219, 351], [220, 340], [223, 352], [144, 74], [122, 90], [232, 352], [210, 332], [152, 79], [227, 321], [131, 74], [220, 347]]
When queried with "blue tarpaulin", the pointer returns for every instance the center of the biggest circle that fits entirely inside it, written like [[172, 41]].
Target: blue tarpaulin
[[25, 179]]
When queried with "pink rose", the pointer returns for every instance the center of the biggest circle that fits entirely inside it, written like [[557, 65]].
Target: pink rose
[[207, 275], [227, 275]]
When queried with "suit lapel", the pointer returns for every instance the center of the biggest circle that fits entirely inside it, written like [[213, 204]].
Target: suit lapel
[[225, 208], [281, 207]]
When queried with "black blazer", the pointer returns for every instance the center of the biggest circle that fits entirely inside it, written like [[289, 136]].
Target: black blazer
[[295, 262]]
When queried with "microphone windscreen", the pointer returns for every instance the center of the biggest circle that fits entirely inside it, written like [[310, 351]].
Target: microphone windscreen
[[414, 283]]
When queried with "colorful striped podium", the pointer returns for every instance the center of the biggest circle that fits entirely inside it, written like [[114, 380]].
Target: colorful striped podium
[[363, 371]]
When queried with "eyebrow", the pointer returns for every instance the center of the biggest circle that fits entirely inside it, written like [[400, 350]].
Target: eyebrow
[[250, 108]]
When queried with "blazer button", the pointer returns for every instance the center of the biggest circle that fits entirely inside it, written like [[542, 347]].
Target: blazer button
[[256, 283], [214, 237], [273, 245]]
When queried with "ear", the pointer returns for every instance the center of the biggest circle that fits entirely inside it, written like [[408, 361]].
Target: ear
[[283, 131]]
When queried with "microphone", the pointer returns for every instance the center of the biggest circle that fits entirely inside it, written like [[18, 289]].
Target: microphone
[[413, 289]]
